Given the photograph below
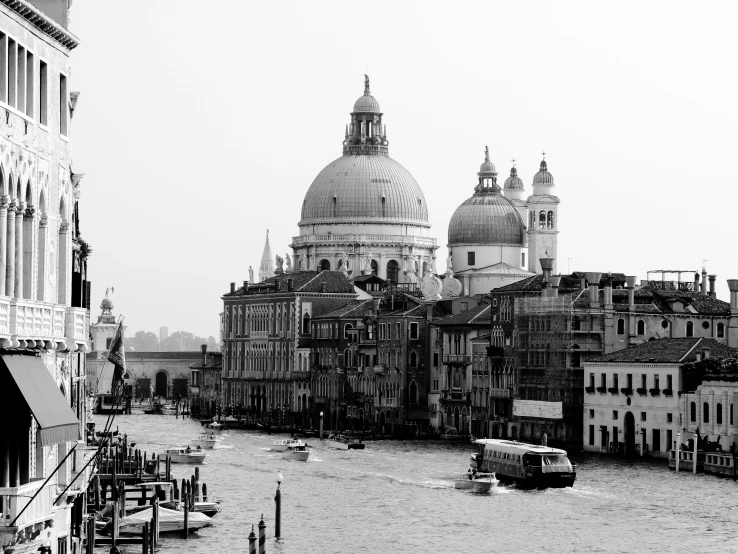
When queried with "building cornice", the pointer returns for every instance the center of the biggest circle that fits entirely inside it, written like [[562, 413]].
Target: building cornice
[[42, 22]]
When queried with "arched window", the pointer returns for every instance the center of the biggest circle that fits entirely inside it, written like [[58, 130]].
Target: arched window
[[542, 220], [705, 413], [719, 414], [325, 265], [641, 327], [550, 220], [346, 329], [413, 393], [306, 324], [690, 329], [721, 330], [374, 267], [413, 359], [621, 326], [392, 270]]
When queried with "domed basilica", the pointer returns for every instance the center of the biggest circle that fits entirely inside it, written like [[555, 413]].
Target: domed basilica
[[365, 213]]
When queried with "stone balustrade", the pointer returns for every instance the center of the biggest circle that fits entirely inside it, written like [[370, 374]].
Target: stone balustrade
[[15, 500], [34, 324]]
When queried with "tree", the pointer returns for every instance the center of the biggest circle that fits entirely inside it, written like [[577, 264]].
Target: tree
[[709, 369], [145, 341]]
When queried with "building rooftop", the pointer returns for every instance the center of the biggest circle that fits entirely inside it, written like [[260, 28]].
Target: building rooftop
[[353, 309], [302, 281], [668, 351], [479, 315]]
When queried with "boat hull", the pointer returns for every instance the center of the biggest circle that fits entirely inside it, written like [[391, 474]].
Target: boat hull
[[297, 456], [187, 458], [206, 443], [336, 444]]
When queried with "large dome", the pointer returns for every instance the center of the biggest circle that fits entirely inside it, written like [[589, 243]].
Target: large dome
[[359, 188], [486, 219]]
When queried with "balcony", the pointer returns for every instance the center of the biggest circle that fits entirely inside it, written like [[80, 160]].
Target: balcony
[[655, 392], [642, 391], [499, 393], [16, 499], [612, 390], [627, 391], [590, 390], [668, 392], [378, 369], [602, 390], [456, 359], [40, 324]]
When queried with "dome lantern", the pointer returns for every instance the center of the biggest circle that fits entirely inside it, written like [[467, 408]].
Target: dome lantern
[[366, 134]]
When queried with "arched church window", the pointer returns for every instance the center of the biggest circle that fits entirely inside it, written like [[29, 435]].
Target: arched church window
[[705, 413], [413, 359], [690, 329], [392, 270], [550, 219], [641, 327], [721, 330], [542, 220]]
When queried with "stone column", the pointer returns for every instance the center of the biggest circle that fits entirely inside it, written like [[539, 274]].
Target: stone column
[[63, 272], [10, 252], [43, 226], [19, 249], [4, 200]]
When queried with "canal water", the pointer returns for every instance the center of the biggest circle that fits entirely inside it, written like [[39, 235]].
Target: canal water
[[398, 496]]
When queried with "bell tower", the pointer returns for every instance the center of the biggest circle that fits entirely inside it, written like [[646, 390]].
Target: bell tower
[[543, 220]]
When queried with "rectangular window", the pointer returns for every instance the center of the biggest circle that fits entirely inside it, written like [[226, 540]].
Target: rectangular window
[[3, 67], [399, 330], [29, 84], [108, 341], [643, 416], [413, 331], [630, 381], [21, 77], [591, 435], [615, 382], [603, 438], [471, 258], [614, 437], [63, 107], [12, 71], [656, 381], [643, 380], [669, 382], [522, 263], [669, 418], [615, 415], [591, 380], [591, 414], [435, 359], [669, 439], [603, 380], [656, 440]]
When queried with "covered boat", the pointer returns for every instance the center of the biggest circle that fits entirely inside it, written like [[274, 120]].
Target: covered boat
[[188, 455], [283, 444], [341, 442], [169, 520], [297, 453], [207, 440]]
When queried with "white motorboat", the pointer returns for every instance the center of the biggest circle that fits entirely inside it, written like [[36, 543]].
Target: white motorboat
[[168, 409], [284, 444], [209, 440], [216, 427], [344, 443], [169, 520], [186, 455], [208, 508], [477, 482], [297, 453]]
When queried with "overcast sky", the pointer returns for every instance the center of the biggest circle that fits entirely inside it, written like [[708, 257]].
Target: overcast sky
[[202, 124]]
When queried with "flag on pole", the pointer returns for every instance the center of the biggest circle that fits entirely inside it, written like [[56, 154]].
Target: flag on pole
[[117, 357]]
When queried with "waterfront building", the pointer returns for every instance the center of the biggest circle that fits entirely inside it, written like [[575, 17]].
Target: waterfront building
[[487, 237], [148, 374], [206, 384], [553, 324], [44, 291], [267, 329], [635, 397], [364, 211]]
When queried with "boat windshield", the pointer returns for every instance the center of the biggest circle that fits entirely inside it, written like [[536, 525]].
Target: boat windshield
[[555, 459]]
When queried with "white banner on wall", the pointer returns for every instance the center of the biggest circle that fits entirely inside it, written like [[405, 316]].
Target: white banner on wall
[[538, 408]]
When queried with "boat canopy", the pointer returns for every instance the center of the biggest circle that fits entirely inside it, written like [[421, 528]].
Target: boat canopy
[[514, 447]]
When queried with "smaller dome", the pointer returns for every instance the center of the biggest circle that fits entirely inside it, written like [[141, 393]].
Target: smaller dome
[[514, 182], [107, 304], [543, 177], [487, 166], [366, 104]]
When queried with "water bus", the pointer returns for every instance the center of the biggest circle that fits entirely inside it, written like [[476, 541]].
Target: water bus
[[526, 465]]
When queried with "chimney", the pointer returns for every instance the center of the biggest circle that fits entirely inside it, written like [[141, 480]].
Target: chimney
[[554, 281], [696, 282], [545, 290], [290, 285], [712, 285], [733, 286], [705, 353], [583, 283], [204, 348], [594, 294], [233, 288], [697, 356], [703, 286], [547, 267], [630, 281], [245, 287], [608, 291]]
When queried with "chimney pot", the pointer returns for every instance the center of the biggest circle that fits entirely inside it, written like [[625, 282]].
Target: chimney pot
[[233, 287], [712, 285], [245, 287], [290, 284], [594, 283], [204, 348], [733, 286], [630, 281], [703, 286]]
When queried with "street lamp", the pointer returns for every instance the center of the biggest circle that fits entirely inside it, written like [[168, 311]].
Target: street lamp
[[278, 507]]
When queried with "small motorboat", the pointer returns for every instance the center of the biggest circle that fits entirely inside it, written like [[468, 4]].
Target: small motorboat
[[169, 520], [168, 409], [207, 441], [283, 444], [297, 453], [186, 455], [476, 482], [341, 442], [216, 427]]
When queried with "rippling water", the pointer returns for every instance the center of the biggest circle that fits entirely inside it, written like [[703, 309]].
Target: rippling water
[[398, 496]]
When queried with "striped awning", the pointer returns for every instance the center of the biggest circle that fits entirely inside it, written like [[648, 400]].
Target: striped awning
[[56, 420]]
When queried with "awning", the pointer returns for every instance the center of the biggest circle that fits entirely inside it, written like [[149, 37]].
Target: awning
[[56, 420]]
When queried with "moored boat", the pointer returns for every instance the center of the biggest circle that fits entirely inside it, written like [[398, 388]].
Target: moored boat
[[526, 465], [207, 440], [169, 520], [186, 455], [477, 482], [168, 409], [297, 453], [283, 444], [210, 509], [216, 427]]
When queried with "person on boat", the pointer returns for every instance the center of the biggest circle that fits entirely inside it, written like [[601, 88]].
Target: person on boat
[[188, 450], [469, 473]]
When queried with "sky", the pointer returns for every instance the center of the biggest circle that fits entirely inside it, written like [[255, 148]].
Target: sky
[[202, 124]]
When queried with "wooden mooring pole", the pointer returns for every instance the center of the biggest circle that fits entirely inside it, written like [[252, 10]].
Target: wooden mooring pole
[[262, 536]]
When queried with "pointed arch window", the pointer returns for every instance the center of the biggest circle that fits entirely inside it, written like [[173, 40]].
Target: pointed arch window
[[413, 359]]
